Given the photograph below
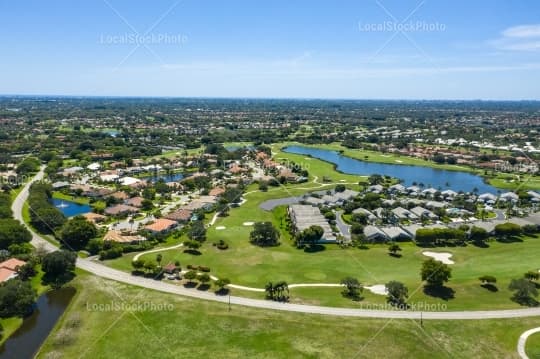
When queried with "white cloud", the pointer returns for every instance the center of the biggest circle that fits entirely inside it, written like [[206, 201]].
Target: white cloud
[[523, 31], [519, 38]]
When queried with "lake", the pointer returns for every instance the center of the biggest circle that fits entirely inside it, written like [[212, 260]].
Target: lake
[[430, 177], [173, 177], [69, 208], [26, 340]]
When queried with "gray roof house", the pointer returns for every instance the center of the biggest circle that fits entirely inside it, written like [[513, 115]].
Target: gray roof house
[[403, 213]]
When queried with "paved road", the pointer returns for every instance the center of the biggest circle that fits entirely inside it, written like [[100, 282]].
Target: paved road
[[523, 339], [109, 273], [343, 227]]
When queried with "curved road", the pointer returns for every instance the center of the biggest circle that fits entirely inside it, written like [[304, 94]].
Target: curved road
[[523, 339], [116, 275]]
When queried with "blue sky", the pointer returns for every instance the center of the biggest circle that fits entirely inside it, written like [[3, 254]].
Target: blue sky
[[303, 49]]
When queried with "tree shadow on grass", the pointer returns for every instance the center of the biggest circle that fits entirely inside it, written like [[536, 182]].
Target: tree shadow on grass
[[442, 292], [395, 255], [314, 248], [480, 244], [222, 291], [203, 287], [528, 301], [509, 239], [490, 287], [192, 252]]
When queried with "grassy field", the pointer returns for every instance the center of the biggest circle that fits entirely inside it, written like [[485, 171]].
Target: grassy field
[[248, 265], [74, 199], [532, 347], [187, 328]]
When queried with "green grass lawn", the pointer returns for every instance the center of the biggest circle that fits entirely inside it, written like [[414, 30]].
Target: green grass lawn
[[532, 346], [66, 197], [189, 328]]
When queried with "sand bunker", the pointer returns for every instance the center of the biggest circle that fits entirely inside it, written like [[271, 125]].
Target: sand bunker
[[248, 223], [377, 289], [220, 228], [441, 257]]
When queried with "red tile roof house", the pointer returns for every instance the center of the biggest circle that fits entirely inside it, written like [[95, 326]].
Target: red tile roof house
[[8, 268], [121, 196], [120, 209], [161, 225], [134, 201], [217, 191], [181, 215]]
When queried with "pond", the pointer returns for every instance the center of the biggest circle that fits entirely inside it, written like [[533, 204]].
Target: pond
[[430, 177], [69, 208], [26, 340], [173, 177]]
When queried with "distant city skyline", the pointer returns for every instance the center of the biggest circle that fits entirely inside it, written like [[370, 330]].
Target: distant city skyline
[[381, 49]]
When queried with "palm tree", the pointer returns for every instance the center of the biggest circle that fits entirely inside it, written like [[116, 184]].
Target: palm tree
[[270, 290]]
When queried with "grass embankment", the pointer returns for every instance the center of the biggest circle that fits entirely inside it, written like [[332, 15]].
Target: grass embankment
[[189, 328], [10, 325], [70, 198]]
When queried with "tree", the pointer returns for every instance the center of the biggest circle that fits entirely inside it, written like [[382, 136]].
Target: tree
[[264, 234], [397, 293], [222, 283], [159, 257], [26, 271], [507, 230], [193, 245], [58, 267], [478, 234], [13, 232], [77, 231], [357, 228], [138, 264], [435, 273], [147, 204], [393, 249], [531, 276], [204, 278], [310, 235], [17, 298], [278, 291], [190, 276], [375, 179], [353, 288], [340, 188], [524, 290], [197, 231], [150, 267]]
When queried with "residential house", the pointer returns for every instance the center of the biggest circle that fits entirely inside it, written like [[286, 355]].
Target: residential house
[[161, 225], [8, 268]]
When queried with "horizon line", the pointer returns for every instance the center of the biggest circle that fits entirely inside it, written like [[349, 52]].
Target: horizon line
[[3, 95]]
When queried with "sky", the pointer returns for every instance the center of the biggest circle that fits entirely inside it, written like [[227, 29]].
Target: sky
[[362, 49]]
